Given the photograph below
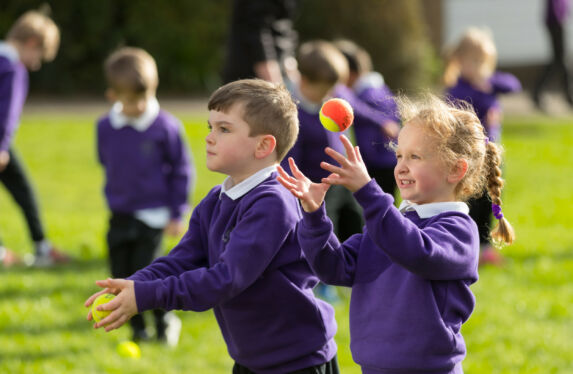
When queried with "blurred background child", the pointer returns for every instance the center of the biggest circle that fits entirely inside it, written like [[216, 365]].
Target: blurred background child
[[33, 38], [373, 138], [470, 76], [148, 174], [411, 269]]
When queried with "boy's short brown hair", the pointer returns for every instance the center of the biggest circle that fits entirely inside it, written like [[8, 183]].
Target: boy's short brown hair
[[320, 61], [268, 108], [358, 58], [131, 69], [36, 25]]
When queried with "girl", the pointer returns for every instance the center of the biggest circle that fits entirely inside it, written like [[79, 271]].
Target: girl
[[470, 76], [411, 268]]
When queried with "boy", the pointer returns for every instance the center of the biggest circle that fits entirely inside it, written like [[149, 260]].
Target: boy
[[373, 139], [240, 255], [148, 173], [33, 38]]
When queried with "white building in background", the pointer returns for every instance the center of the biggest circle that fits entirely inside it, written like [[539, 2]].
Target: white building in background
[[518, 27]]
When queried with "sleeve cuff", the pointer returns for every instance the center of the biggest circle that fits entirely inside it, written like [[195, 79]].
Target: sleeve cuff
[[146, 294], [365, 195], [316, 218]]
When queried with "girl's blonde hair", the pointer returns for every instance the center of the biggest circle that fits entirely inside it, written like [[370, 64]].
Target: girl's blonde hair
[[37, 25], [460, 135], [477, 44]]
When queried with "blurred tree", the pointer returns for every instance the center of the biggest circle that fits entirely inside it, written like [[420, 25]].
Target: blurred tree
[[187, 38]]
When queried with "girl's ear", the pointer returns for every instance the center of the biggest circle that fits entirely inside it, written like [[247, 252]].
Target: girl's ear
[[265, 146], [110, 95], [458, 171]]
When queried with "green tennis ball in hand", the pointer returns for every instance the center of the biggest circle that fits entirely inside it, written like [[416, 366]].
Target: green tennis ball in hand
[[98, 315]]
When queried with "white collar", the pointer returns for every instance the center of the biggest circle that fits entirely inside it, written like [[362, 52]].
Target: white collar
[[433, 209], [141, 123], [307, 105], [368, 80], [8, 51], [239, 190]]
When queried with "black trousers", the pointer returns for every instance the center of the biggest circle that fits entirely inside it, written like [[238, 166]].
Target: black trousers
[[558, 63], [18, 185], [330, 367], [344, 212], [480, 211], [385, 179], [133, 245]]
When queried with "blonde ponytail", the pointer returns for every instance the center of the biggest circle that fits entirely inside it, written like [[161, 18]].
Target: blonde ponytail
[[503, 232]]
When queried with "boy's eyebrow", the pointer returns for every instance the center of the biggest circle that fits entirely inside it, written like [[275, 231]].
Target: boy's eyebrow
[[219, 123]]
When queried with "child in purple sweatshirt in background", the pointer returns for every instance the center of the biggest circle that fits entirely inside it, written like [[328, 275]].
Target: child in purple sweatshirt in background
[[32, 39], [470, 76], [148, 174], [240, 255], [373, 138], [411, 269]]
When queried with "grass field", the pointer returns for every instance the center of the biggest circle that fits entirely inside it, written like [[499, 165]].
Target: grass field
[[523, 321]]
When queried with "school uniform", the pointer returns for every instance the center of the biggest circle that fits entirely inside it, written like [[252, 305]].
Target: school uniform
[[483, 102], [240, 256], [148, 174], [13, 92], [374, 145], [410, 273]]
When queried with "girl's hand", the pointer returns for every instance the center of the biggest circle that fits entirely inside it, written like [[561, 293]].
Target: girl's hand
[[122, 307], [352, 172], [311, 195]]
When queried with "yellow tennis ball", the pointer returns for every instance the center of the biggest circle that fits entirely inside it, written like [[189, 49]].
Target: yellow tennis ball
[[129, 349], [336, 115], [98, 315]]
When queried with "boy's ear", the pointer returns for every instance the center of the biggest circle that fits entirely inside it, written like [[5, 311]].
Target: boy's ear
[[458, 171], [265, 146]]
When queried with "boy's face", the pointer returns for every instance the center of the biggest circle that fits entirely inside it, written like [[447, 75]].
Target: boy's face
[[230, 149], [420, 173], [31, 54], [134, 104]]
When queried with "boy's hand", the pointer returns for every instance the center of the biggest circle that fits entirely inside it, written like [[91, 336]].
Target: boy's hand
[[175, 228], [311, 195], [352, 173], [122, 307], [4, 159]]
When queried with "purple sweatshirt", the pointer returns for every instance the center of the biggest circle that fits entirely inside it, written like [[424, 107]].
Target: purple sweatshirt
[[556, 11], [373, 143], [13, 92], [145, 169], [482, 102], [410, 279], [241, 257]]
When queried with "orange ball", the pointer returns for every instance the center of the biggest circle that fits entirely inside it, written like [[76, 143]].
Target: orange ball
[[336, 115]]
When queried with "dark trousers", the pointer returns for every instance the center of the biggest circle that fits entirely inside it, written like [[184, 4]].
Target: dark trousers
[[132, 246], [330, 367], [557, 65], [385, 179], [480, 211], [344, 212], [18, 185]]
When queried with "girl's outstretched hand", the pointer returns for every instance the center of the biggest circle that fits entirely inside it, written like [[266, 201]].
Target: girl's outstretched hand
[[352, 172], [311, 195]]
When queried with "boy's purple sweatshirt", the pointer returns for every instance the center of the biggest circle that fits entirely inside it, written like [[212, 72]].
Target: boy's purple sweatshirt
[[241, 258], [145, 169], [482, 102], [13, 92], [410, 281]]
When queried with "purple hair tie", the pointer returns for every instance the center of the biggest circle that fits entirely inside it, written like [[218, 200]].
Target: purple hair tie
[[486, 140], [496, 209]]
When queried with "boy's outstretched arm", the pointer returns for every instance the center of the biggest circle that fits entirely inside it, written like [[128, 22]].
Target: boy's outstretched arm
[[311, 195], [352, 172], [122, 307]]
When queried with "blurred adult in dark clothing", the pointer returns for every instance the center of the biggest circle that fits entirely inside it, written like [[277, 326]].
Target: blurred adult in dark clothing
[[262, 41], [556, 13]]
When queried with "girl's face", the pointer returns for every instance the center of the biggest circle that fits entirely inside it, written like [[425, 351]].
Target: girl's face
[[477, 66], [421, 175]]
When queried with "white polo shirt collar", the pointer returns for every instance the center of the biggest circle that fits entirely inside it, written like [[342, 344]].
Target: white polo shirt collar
[[433, 209], [236, 191], [141, 123]]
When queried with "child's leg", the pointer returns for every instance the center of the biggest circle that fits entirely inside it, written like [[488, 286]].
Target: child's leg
[[121, 239], [18, 185]]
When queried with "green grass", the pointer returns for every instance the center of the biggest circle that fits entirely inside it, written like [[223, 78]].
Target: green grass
[[522, 323]]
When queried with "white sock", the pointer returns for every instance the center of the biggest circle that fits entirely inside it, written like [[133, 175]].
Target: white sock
[[43, 247]]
